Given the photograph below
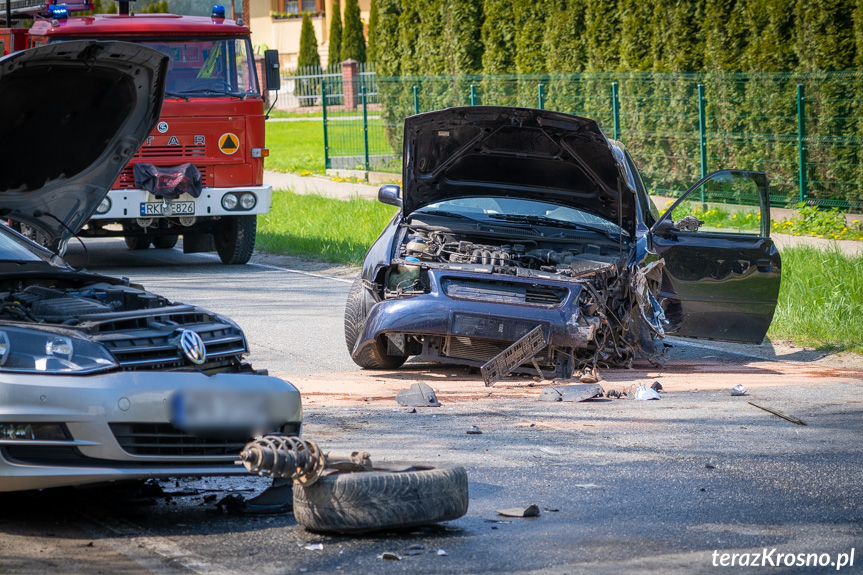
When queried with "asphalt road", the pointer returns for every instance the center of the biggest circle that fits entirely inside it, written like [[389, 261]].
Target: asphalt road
[[623, 486]]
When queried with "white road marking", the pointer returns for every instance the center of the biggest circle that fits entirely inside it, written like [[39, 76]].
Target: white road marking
[[280, 269]]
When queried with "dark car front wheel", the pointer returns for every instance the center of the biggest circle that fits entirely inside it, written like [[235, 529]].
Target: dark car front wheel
[[356, 309]]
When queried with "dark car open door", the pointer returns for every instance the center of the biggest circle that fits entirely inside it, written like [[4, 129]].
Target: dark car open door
[[721, 280]]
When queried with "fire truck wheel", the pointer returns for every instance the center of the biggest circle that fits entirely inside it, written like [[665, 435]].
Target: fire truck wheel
[[165, 242], [382, 499], [235, 239], [137, 242]]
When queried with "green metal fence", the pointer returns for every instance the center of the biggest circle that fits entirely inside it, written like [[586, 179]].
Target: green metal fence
[[805, 131]]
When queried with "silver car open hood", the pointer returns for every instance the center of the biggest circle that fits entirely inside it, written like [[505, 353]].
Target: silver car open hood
[[73, 114], [513, 152]]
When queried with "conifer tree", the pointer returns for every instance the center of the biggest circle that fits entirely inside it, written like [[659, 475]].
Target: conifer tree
[[498, 40], [308, 55], [353, 41], [335, 55], [463, 36], [371, 52]]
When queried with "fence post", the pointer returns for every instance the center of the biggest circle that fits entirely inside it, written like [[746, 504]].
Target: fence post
[[702, 139], [365, 122], [472, 95], [540, 96], [801, 136], [324, 114], [615, 110], [416, 99]]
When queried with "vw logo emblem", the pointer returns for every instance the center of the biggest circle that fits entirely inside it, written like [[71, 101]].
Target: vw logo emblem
[[162, 127], [193, 346]]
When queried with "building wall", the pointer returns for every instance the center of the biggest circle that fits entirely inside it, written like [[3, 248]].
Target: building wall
[[282, 35]]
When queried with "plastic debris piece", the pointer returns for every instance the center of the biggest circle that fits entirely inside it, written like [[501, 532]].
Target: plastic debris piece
[[474, 431], [529, 511], [777, 413], [416, 547], [737, 390], [442, 553], [576, 392], [657, 387], [389, 556], [587, 486], [709, 466], [419, 395], [315, 546], [644, 393]]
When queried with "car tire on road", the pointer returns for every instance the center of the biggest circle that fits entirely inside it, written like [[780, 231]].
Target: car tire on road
[[381, 499], [165, 242], [356, 309], [235, 239]]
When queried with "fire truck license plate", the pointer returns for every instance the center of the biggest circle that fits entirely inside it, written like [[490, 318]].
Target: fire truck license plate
[[169, 209]]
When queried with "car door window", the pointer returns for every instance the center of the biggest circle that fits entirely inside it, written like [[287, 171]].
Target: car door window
[[727, 203]]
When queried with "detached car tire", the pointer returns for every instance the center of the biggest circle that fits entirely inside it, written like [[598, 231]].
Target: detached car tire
[[235, 239], [356, 310], [381, 499]]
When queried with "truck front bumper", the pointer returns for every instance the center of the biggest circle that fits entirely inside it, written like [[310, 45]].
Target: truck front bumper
[[130, 204]]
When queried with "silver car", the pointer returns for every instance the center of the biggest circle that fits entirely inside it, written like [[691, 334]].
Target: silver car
[[101, 380]]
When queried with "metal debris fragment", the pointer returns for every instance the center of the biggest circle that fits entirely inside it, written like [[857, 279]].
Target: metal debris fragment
[[315, 546], [474, 431], [777, 413], [576, 392], [441, 553], [419, 395], [529, 511], [519, 352], [657, 387], [737, 390], [389, 556]]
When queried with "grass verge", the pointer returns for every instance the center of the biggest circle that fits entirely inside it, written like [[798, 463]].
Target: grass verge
[[821, 300], [296, 147], [323, 228]]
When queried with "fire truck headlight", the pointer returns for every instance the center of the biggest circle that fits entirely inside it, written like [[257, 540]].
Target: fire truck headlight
[[104, 207], [229, 201], [248, 201]]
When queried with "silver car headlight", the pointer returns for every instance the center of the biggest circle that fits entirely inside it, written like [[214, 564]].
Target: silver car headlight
[[34, 351]]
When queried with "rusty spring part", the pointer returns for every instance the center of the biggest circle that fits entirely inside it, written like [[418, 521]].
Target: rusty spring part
[[284, 456]]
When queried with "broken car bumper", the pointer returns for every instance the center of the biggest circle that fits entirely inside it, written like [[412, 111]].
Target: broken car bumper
[[473, 305], [60, 430]]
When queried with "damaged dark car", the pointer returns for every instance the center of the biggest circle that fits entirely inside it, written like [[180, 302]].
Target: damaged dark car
[[515, 219], [100, 379]]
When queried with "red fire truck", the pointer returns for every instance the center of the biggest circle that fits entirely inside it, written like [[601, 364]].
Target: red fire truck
[[212, 118]]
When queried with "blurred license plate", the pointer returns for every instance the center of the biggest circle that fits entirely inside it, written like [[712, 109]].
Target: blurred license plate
[[169, 209], [220, 410]]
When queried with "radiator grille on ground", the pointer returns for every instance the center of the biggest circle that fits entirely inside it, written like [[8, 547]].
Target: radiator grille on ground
[[165, 439], [504, 292]]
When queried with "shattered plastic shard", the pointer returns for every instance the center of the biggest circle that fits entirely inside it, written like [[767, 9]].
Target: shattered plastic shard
[[529, 511], [737, 390], [419, 395], [644, 393]]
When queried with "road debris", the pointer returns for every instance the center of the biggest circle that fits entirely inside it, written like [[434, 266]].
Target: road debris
[[737, 390], [442, 553], [418, 395], [389, 556], [614, 394], [550, 451], [509, 359], [644, 393], [315, 546], [529, 511], [474, 431], [576, 392], [587, 486], [657, 387], [777, 413]]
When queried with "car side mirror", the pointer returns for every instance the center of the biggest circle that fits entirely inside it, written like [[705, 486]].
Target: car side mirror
[[664, 226], [390, 194], [271, 69]]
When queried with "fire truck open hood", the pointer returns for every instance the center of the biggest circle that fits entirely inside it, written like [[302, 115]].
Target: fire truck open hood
[[74, 113], [513, 152]]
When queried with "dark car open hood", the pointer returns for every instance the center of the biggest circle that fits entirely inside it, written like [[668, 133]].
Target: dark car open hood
[[513, 152], [74, 113]]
